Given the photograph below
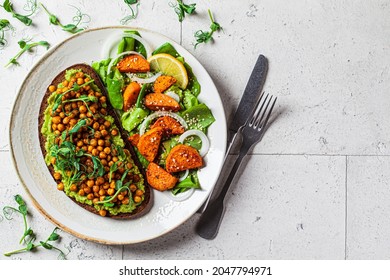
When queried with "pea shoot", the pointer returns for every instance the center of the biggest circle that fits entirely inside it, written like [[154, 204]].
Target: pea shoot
[[207, 36], [133, 6], [30, 7], [73, 28], [182, 9], [29, 237], [26, 47], [5, 26]]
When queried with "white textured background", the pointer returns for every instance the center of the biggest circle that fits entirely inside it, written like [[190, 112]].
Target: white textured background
[[318, 185]]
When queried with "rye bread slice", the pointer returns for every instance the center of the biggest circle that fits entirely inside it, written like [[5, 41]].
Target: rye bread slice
[[146, 205]]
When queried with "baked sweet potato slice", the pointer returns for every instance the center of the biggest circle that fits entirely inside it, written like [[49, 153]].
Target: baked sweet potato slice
[[158, 178], [160, 101], [162, 83], [170, 126], [149, 143], [133, 64], [134, 139], [183, 157], [130, 95]]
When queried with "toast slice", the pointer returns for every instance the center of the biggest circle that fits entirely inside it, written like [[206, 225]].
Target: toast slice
[[86, 149]]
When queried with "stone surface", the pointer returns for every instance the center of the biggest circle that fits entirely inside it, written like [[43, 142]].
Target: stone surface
[[368, 209], [328, 66]]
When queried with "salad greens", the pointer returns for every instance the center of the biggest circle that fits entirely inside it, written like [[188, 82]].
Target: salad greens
[[196, 114]]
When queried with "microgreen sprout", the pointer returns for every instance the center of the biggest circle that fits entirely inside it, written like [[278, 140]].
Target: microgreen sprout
[[30, 7], [73, 28], [29, 236], [26, 47], [5, 26], [133, 6], [207, 36], [182, 9]]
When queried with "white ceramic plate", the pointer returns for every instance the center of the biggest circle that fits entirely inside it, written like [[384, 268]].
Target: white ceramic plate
[[166, 214]]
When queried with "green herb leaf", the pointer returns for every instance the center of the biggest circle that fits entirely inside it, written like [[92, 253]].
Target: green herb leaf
[[26, 48], [207, 36], [53, 236], [182, 9], [73, 28], [133, 6], [46, 245]]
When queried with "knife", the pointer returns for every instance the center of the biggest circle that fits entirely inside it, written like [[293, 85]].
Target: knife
[[248, 100]]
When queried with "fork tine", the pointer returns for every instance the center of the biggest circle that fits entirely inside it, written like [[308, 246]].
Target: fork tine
[[260, 118], [257, 111], [268, 115], [249, 121]]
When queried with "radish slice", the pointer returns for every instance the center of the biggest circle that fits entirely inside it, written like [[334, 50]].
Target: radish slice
[[118, 56], [139, 80], [158, 114], [114, 40], [173, 95], [180, 196], [184, 175], [205, 141]]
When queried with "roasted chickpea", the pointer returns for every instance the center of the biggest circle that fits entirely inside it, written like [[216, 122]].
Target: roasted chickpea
[[114, 132], [99, 148], [110, 191], [57, 175], [120, 196], [80, 81], [53, 160], [52, 88], [87, 190], [133, 187], [102, 192], [82, 116], [101, 142], [95, 200], [73, 187], [139, 192], [60, 186], [137, 199], [81, 192], [62, 115], [72, 122], [102, 212], [107, 150], [83, 109], [54, 126], [98, 134], [104, 132], [95, 189], [125, 201], [95, 152], [102, 155], [90, 148], [99, 181], [56, 120], [61, 127], [65, 120], [104, 162], [93, 142], [90, 196], [80, 143], [112, 184], [90, 183]]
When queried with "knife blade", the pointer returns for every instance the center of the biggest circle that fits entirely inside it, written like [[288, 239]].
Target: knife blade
[[251, 94], [248, 100]]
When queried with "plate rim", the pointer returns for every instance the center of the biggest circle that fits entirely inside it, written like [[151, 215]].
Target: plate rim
[[12, 152]]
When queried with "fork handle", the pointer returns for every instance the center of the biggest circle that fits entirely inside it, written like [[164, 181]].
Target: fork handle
[[211, 218]]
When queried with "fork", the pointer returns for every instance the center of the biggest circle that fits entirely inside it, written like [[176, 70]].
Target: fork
[[251, 133]]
